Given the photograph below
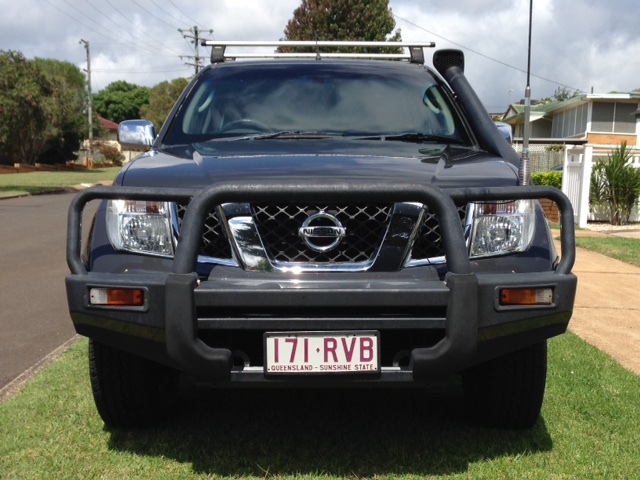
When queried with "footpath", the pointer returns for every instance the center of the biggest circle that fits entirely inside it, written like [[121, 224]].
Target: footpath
[[607, 307]]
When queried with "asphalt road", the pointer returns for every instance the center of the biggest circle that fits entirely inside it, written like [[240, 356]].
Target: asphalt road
[[34, 320]]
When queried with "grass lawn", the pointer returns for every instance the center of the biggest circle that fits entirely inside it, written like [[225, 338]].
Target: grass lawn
[[589, 429], [589, 426], [42, 182], [625, 249]]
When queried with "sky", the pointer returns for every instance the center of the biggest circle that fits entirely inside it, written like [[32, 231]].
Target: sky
[[586, 45]]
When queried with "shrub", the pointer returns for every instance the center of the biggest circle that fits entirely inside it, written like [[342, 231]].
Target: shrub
[[615, 185], [551, 179], [110, 152]]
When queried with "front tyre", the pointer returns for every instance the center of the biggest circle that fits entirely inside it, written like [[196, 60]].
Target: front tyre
[[130, 391], [507, 392]]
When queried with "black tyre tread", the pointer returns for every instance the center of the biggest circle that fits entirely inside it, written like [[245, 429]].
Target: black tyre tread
[[508, 391], [130, 391]]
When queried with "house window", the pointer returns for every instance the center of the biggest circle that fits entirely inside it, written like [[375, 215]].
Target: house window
[[613, 118], [625, 119], [570, 123]]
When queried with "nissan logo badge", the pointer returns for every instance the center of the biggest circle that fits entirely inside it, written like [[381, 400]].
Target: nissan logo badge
[[322, 232]]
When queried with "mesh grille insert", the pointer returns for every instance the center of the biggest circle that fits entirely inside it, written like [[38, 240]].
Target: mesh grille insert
[[365, 226], [214, 241], [428, 243]]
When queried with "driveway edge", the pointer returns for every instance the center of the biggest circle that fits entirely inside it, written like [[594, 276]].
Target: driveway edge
[[15, 385]]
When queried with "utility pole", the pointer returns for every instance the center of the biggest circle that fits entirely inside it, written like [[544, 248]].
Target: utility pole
[[89, 99], [194, 34]]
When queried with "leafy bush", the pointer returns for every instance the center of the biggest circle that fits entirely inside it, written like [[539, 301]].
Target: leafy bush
[[110, 152], [551, 179], [554, 148], [615, 185]]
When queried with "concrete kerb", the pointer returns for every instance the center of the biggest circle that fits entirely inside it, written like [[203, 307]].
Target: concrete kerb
[[14, 386], [633, 231], [625, 233], [68, 189]]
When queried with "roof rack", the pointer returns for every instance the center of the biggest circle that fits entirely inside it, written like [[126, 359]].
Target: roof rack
[[414, 55]]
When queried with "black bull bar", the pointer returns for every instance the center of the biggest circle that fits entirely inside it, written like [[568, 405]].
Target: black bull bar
[[214, 364]]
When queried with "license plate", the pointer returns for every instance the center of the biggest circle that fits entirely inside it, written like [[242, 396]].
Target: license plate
[[321, 352]]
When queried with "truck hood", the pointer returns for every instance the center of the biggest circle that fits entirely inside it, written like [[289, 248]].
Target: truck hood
[[331, 161]]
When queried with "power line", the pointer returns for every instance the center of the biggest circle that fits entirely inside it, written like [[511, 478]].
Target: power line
[[96, 29], [153, 15], [153, 47], [167, 13], [191, 20], [484, 55], [92, 29], [163, 69]]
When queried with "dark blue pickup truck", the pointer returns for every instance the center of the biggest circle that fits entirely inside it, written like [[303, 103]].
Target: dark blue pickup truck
[[321, 219]]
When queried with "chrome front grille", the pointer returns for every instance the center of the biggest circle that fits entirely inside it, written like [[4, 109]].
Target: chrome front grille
[[277, 227], [365, 226]]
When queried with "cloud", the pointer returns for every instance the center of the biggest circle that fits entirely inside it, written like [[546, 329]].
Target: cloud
[[576, 45]]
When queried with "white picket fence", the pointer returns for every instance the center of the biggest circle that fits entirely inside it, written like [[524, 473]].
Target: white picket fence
[[576, 181]]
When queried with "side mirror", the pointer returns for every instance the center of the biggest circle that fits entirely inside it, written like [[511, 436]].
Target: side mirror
[[136, 134], [506, 131]]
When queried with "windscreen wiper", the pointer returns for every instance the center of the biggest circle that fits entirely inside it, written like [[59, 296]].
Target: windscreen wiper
[[413, 137], [286, 134]]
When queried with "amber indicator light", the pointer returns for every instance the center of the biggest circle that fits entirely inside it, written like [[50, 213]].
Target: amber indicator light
[[117, 297], [526, 296]]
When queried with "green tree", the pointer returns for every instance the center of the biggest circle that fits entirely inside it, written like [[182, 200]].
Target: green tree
[[615, 185], [120, 101], [362, 20], [563, 93], [67, 124], [162, 97], [24, 116]]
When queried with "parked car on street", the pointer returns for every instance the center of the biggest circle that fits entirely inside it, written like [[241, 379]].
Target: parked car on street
[[321, 219]]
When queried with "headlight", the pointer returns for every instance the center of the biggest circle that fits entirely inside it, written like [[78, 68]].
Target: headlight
[[140, 226], [502, 227]]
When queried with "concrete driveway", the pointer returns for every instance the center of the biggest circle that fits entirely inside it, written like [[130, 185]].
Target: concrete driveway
[[607, 308]]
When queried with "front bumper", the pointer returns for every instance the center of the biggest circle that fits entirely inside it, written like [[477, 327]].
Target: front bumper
[[179, 306]]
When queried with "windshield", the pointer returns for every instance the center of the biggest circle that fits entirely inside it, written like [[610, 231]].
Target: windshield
[[315, 98]]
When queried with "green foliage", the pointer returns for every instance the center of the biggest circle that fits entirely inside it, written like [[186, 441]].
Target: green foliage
[[110, 152], [162, 97], [362, 20], [23, 110], [67, 125], [41, 109], [563, 93], [554, 148], [551, 179], [615, 185], [120, 101]]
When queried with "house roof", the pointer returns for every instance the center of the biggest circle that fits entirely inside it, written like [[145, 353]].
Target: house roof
[[515, 113], [107, 124], [538, 111]]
